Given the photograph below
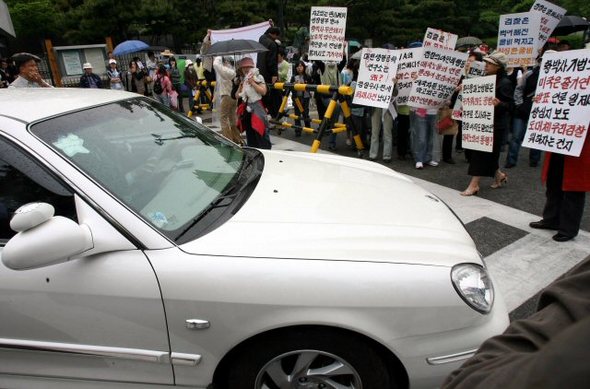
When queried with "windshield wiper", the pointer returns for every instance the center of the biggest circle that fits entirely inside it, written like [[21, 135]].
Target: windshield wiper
[[229, 194]]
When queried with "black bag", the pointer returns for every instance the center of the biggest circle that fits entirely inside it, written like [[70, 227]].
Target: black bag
[[158, 86]]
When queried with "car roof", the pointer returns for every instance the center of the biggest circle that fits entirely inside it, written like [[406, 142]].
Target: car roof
[[32, 104]]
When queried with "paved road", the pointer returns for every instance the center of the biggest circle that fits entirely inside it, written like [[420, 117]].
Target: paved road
[[521, 260]]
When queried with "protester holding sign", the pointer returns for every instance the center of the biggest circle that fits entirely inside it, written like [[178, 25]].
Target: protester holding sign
[[559, 124], [483, 163]]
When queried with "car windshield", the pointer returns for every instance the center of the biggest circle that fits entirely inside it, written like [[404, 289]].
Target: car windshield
[[167, 168]]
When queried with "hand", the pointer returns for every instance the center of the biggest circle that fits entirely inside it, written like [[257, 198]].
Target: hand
[[274, 79], [496, 101]]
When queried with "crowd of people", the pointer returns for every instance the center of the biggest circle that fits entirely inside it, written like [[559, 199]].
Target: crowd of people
[[246, 101]]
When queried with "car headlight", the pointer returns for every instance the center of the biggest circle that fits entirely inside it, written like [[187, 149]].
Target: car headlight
[[474, 286]]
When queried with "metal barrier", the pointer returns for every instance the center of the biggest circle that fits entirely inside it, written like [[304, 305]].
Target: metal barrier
[[202, 92], [339, 95]]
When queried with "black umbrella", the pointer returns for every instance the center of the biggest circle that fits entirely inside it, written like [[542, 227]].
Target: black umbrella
[[235, 47], [569, 24]]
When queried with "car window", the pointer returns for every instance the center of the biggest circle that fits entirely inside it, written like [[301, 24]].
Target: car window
[[165, 167], [23, 181]]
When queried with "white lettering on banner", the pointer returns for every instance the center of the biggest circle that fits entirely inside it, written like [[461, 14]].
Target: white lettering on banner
[[327, 28], [407, 71], [549, 16], [560, 114], [439, 39], [376, 78], [438, 76], [518, 35], [478, 113]]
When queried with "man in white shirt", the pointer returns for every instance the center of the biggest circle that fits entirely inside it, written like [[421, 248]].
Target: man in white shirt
[[28, 72]]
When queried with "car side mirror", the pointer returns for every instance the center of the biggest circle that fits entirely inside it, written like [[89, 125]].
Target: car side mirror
[[43, 239]]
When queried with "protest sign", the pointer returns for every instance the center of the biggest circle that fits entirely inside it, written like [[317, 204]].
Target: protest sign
[[438, 76], [407, 71], [518, 35], [439, 39], [478, 113], [549, 16], [376, 77], [327, 27], [561, 107], [476, 69], [473, 69]]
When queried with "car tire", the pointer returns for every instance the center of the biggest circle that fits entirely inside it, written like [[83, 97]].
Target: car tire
[[308, 359]]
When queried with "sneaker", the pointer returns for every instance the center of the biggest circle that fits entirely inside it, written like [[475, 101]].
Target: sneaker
[[419, 165], [432, 163]]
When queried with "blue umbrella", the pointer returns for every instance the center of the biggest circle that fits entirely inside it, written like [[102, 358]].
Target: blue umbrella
[[130, 46]]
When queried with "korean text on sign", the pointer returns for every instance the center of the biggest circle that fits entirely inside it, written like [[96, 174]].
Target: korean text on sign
[[439, 74], [478, 113], [518, 35], [439, 39], [376, 77], [327, 29], [549, 16], [561, 107], [407, 70]]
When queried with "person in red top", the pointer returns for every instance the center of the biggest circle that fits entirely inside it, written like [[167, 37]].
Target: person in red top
[[165, 84], [567, 179]]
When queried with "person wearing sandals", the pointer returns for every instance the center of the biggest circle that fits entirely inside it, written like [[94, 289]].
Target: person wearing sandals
[[486, 164]]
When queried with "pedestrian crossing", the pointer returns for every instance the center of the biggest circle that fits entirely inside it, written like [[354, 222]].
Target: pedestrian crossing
[[521, 260]]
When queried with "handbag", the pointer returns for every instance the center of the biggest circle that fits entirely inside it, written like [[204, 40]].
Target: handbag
[[445, 125]]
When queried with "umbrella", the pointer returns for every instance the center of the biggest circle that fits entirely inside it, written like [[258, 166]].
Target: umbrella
[[130, 46], [468, 41], [235, 47], [569, 24], [356, 55]]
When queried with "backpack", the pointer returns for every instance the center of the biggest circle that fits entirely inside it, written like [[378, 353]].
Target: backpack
[[158, 86]]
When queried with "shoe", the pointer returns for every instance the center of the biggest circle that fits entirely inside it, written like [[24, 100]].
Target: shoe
[[387, 160], [450, 161], [559, 237], [509, 165], [533, 164], [331, 147], [432, 163], [470, 192], [419, 165], [501, 182], [542, 225]]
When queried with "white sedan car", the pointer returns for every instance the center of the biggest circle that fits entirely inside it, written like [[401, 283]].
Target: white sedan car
[[141, 249]]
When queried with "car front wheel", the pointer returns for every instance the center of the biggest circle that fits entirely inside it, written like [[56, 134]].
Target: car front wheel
[[309, 360]]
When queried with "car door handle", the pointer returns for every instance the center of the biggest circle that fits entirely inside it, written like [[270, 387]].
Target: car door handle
[[197, 324]]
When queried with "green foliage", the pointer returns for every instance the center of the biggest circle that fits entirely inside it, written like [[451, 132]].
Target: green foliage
[[384, 21]]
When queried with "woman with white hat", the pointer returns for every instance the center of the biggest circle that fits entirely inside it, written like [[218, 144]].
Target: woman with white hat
[[483, 163]]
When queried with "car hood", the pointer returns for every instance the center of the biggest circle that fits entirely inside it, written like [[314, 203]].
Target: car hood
[[317, 206]]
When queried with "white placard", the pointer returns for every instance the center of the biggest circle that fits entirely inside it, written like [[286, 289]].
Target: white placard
[[439, 39], [561, 107], [549, 15], [476, 69], [439, 74], [407, 71], [473, 69], [327, 27], [518, 35], [72, 63], [478, 113], [376, 78]]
